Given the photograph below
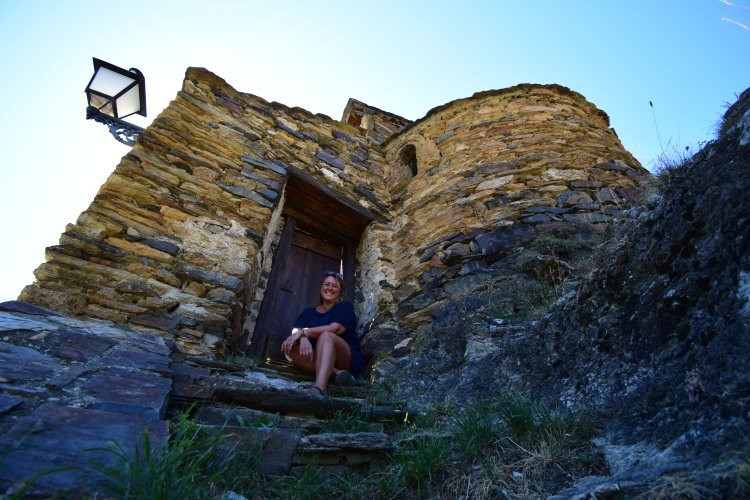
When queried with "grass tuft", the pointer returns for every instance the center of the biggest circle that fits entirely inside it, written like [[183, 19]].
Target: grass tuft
[[183, 468], [262, 421], [474, 431], [669, 165], [310, 484], [419, 461], [346, 421]]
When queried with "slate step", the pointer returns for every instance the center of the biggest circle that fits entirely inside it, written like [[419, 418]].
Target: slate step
[[286, 450], [268, 390], [284, 373], [302, 403], [336, 453], [246, 417]]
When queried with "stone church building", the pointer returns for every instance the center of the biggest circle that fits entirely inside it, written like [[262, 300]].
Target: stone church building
[[216, 228]]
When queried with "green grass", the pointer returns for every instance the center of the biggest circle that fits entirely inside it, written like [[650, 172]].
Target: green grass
[[310, 484], [418, 463], [183, 468], [474, 431], [445, 451], [380, 393], [346, 421], [520, 298], [263, 421]]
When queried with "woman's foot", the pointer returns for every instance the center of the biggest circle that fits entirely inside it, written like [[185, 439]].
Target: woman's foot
[[316, 391]]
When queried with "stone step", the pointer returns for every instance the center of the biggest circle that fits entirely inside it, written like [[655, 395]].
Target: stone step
[[287, 450], [270, 391], [246, 417], [301, 403], [283, 372], [336, 453]]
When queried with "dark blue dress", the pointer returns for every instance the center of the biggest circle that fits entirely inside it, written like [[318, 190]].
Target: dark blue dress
[[343, 314]]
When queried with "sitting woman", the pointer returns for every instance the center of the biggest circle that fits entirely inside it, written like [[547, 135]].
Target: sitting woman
[[324, 339]]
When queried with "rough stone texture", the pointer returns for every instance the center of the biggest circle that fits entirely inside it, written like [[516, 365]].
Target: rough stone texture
[[652, 344], [56, 435], [180, 239], [275, 448], [189, 214], [70, 385], [475, 200], [378, 125]]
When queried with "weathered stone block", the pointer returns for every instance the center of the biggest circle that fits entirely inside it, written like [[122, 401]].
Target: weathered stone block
[[493, 243], [277, 446], [246, 193], [164, 246], [570, 198], [258, 162], [58, 436], [158, 322], [191, 271], [135, 288], [77, 347], [8, 403], [25, 364], [330, 159], [129, 391]]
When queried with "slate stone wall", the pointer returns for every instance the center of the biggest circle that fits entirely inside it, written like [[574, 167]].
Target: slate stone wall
[[174, 241], [179, 240], [378, 125], [489, 170]]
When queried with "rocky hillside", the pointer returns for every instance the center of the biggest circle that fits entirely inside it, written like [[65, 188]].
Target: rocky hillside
[[651, 342]]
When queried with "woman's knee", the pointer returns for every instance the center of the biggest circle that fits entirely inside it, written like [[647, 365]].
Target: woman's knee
[[326, 337]]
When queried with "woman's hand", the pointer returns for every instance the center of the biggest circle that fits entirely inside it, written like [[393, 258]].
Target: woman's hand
[[305, 349], [286, 346]]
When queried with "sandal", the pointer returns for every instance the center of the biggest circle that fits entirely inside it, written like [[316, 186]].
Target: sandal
[[316, 391], [344, 378]]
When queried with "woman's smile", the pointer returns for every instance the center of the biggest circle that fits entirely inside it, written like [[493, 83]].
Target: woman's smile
[[330, 289]]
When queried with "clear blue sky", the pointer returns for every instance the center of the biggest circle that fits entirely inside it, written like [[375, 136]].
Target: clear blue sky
[[689, 57]]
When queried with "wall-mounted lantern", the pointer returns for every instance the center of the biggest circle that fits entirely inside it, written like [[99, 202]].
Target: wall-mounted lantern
[[115, 93]]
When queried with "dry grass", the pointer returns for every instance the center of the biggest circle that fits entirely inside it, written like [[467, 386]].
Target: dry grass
[[678, 487]]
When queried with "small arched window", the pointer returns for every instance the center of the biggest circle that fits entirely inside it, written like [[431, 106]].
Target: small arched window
[[408, 158]]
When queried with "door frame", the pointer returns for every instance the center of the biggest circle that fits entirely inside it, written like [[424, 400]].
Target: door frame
[[315, 209]]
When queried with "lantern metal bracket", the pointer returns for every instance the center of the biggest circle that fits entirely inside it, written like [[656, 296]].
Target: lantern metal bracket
[[124, 132]]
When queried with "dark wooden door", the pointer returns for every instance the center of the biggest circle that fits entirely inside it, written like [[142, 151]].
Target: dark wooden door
[[301, 272]]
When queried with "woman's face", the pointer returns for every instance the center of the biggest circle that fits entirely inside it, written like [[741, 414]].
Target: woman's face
[[330, 290]]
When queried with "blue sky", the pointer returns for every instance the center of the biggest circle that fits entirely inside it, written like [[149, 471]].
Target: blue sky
[[688, 57]]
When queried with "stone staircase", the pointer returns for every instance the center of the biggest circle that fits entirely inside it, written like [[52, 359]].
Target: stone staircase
[[69, 386], [265, 408]]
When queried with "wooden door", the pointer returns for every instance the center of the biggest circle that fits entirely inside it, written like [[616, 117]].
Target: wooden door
[[297, 285]]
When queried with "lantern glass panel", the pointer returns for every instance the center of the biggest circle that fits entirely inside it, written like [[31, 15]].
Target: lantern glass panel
[[109, 82], [129, 102], [103, 104], [96, 100]]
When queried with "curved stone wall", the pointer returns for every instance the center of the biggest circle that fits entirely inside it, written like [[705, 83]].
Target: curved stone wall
[[490, 169]]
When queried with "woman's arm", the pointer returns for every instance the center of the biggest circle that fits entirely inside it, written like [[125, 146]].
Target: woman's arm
[[312, 332], [316, 331]]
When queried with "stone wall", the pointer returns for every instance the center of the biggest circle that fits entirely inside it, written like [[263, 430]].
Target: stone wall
[[174, 241], [378, 125], [180, 239], [490, 171]]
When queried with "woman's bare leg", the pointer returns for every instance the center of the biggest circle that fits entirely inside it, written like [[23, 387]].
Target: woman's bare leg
[[300, 362], [331, 352]]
